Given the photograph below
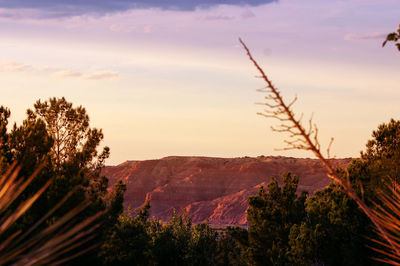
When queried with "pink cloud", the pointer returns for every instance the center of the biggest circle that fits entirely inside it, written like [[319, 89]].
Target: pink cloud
[[148, 29], [68, 74], [218, 17], [103, 75], [247, 14], [14, 67], [122, 28], [57, 72], [372, 36], [49, 69]]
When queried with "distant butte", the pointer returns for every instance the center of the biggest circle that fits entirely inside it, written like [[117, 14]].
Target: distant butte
[[213, 189]]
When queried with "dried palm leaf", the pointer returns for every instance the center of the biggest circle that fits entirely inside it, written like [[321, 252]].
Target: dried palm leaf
[[50, 245]]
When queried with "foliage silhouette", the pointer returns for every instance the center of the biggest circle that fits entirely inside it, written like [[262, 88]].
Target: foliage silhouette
[[393, 37], [58, 138], [271, 215]]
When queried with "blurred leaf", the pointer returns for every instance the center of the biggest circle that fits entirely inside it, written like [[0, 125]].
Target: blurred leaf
[[53, 244]]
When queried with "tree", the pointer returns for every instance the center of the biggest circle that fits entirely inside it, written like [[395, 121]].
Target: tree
[[4, 149], [334, 222], [203, 245], [171, 242], [136, 240], [28, 145], [178, 242], [232, 247], [74, 158], [74, 140], [129, 243], [271, 215], [393, 37], [57, 138]]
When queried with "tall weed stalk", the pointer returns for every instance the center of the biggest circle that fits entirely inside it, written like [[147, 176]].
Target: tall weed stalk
[[303, 135]]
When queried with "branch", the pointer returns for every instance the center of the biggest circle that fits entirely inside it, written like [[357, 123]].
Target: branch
[[308, 140]]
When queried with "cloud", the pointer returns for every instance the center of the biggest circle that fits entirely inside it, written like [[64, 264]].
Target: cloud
[[67, 74], [122, 28], [57, 72], [14, 67], [147, 29], [103, 75], [247, 14], [49, 69], [372, 36], [218, 17], [65, 8]]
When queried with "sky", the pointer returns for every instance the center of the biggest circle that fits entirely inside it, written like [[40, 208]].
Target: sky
[[164, 78]]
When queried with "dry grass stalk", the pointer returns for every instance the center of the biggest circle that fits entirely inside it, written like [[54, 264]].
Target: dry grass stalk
[[46, 246], [306, 138]]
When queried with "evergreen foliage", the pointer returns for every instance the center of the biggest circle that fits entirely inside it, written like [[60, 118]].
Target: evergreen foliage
[[129, 241], [140, 241], [232, 247], [57, 138], [271, 215]]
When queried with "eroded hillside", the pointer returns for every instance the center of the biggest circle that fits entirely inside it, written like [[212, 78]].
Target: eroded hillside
[[210, 188]]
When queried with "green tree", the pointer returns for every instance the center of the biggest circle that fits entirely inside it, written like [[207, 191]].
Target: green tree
[[232, 246], [334, 222], [74, 154], [57, 138], [271, 215], [171, 242], [178, 242], [4, 148], [74, 140], [303, 245], [286, 229], [129, 243], [203, 245], [29, 145], [378, 167], [393, 37]]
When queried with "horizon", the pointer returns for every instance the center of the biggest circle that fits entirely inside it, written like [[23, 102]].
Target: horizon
[[164, 79], [228, 158]]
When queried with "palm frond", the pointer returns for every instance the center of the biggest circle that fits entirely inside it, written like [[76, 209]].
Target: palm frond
[[53, 244]]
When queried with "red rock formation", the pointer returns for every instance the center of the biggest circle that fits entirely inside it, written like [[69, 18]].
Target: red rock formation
[[213, 189]]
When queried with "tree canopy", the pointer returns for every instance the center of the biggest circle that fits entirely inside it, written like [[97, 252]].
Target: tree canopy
[[57, 138], [393, 37]]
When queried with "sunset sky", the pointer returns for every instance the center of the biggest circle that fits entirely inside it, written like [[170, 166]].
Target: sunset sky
[[169, 77]]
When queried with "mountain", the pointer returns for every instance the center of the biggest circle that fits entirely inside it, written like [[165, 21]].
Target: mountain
[[213, 189]]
